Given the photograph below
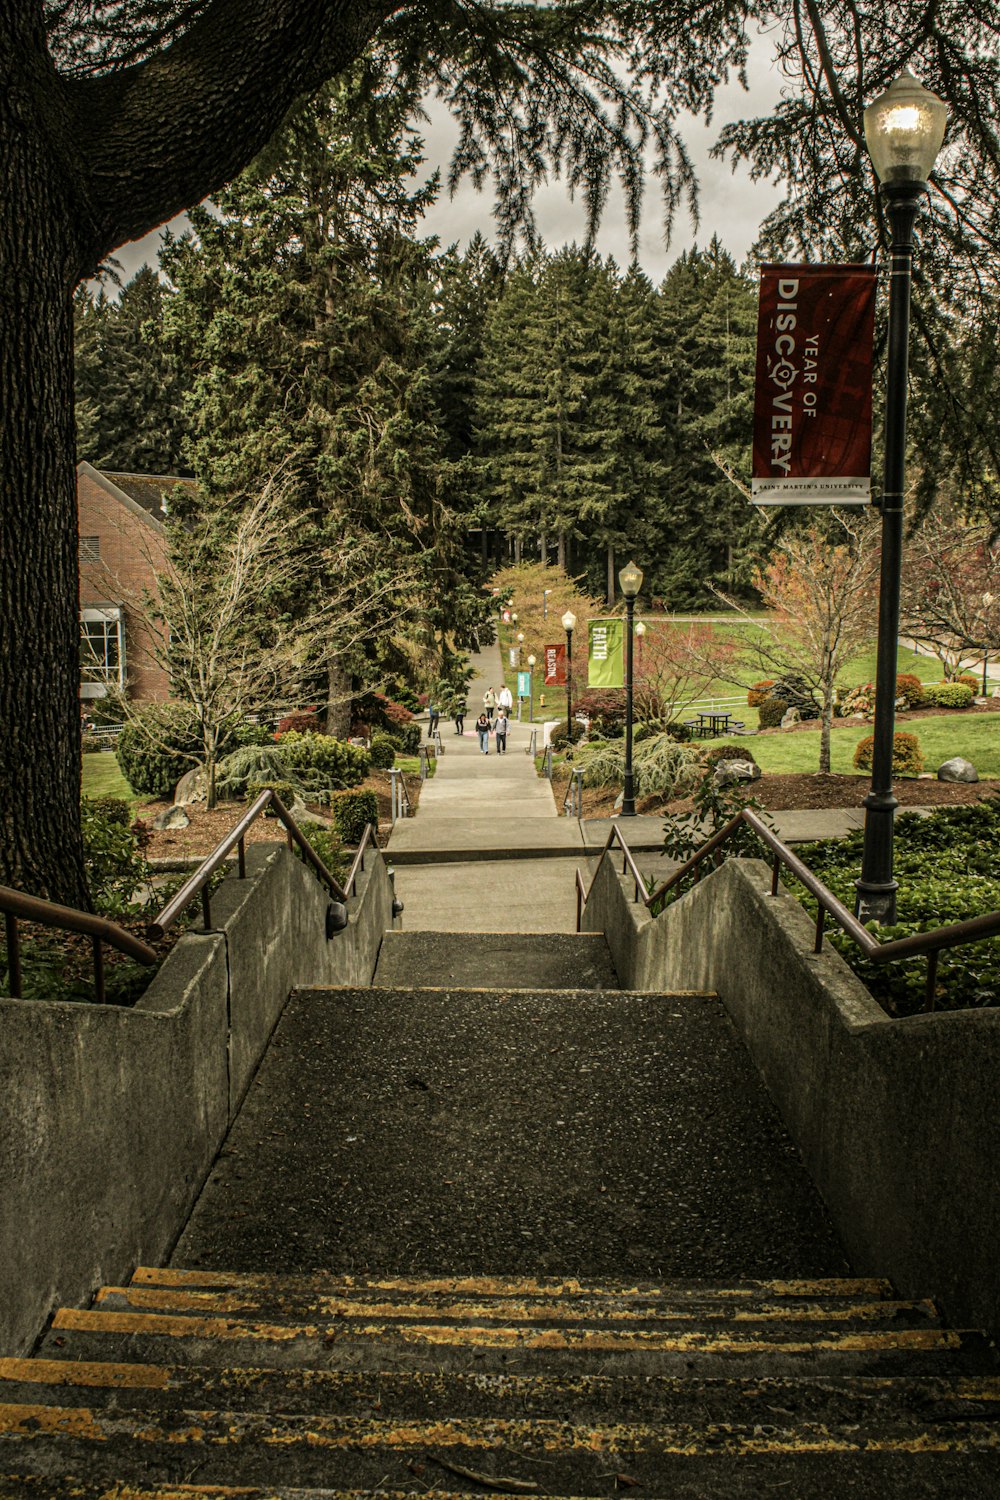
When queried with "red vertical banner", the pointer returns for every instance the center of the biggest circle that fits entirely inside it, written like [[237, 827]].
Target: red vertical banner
[[812, 428], [555, 665]]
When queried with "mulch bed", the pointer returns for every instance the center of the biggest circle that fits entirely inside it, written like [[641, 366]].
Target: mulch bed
[[207, 829]]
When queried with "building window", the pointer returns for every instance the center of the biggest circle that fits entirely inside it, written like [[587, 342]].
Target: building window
[[90, 549], [102, 650]]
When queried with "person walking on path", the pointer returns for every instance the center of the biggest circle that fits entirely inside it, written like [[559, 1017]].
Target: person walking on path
[[501, 726], [483, 731], [505, 700], [490, 702], [459, 716], [434, 714]]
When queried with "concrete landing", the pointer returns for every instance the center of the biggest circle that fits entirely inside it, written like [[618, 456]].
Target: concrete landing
[[460, 1132]]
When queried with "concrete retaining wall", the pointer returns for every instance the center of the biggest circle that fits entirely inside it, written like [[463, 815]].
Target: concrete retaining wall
[[896, 1119], [110, 1119]]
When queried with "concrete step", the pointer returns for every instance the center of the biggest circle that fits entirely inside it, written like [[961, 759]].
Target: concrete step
[[526, 1455], [496, 960], [443, 1394], [763, 1348], [275, 1304]]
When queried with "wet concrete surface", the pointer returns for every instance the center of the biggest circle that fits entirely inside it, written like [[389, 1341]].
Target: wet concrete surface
[[461, 1132]]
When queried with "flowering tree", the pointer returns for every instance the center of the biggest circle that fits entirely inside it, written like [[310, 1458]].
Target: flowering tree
[[950, 601], [676, 664]]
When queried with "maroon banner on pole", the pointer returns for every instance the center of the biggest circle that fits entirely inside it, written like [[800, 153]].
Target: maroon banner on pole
[[555, 665], [812, 427]]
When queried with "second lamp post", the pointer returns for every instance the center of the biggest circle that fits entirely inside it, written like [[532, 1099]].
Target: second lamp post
[[569, 625], [630, 582]]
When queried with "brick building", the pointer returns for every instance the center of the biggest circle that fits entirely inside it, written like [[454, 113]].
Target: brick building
[[121, 553]]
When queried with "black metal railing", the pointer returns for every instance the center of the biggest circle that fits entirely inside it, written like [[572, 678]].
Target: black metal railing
[[19, 907], [933, 943]]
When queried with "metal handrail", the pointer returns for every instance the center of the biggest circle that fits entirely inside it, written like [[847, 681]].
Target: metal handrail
[[398, 795], [350, 885], [954, 935], [573, 800], [16, 905], [236, 838]]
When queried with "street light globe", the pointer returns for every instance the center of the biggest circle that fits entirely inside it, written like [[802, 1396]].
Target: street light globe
[[569, 620], [904, 128], [531, 659], [640, 628], [513, 616], [630, 580], [520, 636]]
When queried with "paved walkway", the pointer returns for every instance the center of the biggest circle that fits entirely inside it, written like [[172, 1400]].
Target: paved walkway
[[492, 805], [490, 852]]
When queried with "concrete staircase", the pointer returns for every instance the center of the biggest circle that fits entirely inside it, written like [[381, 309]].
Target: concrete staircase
[[190, 1380], [495, 1227]]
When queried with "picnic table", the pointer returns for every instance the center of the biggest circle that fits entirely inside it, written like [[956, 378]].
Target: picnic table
[[710, 725]]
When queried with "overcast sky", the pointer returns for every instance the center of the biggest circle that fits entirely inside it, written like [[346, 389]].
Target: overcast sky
[[731, 205]]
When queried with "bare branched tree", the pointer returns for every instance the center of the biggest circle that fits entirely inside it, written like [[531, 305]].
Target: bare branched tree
[[950, 600]]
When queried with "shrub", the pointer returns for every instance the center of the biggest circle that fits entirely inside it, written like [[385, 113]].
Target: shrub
[[406, 696], [859, 700], [408, 738], [947, 695], [382, 751], [909, 688], [795, 692], [262, 764], [759, 691], [771, 712], [559, 738], [605, 708], [907, 757], [351, 811], [711, 758], [301, 721], [975, 683], [286, 790], [158, 744], [665, 767], [116, 868], [327, 844], [334, 762], [380, 712]]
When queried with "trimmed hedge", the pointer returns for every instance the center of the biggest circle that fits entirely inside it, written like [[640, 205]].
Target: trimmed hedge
[[382, 751], [910, 688], [771, 712], [351, 811], [907, 756], [759, 692], [157, 746], [947, 695]]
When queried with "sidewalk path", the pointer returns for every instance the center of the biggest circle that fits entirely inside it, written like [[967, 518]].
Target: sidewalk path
[[492, 805]]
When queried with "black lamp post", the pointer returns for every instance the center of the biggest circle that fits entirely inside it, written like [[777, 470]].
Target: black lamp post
[[630, 582], [904, 129], [569, 625], [531, 687]]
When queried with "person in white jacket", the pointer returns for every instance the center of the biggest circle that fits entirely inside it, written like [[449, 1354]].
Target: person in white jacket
[[506, 699]]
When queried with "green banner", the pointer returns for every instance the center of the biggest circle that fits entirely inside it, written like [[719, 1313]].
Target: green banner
[[605, 662]]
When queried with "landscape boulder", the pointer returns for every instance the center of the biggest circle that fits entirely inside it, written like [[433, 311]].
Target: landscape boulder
[[174, 817], [791, 716], [192, 787], [730, 772], [957, 769]]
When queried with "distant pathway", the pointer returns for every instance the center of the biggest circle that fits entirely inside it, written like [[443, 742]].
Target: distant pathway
[[487, 851]]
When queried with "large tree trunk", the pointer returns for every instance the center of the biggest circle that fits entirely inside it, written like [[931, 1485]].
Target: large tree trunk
[[41, 847], [611, 576], [562, 551], [543, 545], [338, 699]]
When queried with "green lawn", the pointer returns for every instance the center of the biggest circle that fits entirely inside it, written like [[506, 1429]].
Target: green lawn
[[102, 778], [976, 736]]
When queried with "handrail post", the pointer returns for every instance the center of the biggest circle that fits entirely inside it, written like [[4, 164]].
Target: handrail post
[[206, 909], [932, 967], [14, 976], [99, 971], [820, 924], [241, 854]]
